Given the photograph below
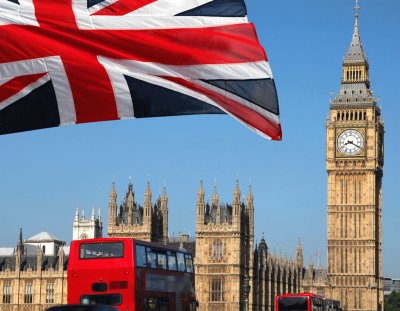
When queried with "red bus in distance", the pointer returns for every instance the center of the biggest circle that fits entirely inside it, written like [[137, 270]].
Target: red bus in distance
[[131, 275], [305, 302]]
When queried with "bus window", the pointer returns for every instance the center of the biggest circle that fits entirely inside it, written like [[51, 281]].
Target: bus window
[[104, 299], [189, 263], [156, 304], [141, 256], [181, 261], [292, 304], [172, 261], [151, 258], [162, 260], [101, 250]]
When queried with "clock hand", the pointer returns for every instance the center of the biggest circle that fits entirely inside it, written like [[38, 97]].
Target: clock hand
[[350, 142]]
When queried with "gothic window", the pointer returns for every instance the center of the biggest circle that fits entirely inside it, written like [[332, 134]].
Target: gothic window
[[50, 293], [217, 249], [44, 249], [84, 236], [217, 289], [28, 293], [7, 293]]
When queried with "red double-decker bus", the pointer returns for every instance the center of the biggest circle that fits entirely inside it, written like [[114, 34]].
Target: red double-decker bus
[[305, 302], [131, 275]]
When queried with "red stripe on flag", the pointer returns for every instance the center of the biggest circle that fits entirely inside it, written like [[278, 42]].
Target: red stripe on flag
[[123, 7], [196, 46], [243, 113], [17, 84]]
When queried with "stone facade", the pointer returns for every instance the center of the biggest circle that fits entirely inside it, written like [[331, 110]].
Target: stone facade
[[354, 162], [32, 281], [275, 276], [230, 274], [84, 228], [147, 223]]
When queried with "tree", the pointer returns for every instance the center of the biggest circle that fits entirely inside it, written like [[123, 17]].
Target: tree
[[392, 301]]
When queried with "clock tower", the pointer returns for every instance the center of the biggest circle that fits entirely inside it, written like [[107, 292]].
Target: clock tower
[[354, 162]]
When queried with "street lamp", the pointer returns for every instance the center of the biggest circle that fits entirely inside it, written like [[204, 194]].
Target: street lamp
[[246, 289]]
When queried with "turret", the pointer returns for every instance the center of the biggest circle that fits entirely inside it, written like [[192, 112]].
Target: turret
[[112, 208], [20, 251], [200, 205], [147, 206], [299, 256], [250, 212], [164, 211], [130, 202], [236, 205]]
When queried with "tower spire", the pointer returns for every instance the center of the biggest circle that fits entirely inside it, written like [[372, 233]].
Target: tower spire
[[355, 89], [356, 8]]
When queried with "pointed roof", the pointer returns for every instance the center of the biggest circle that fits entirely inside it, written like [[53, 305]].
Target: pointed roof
[[355, 53]]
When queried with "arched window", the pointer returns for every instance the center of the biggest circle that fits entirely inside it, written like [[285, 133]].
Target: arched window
[[217, 249], [44, 249], [217, 289]]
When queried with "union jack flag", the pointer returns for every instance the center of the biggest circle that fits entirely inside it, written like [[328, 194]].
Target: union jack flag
[[76, 61]]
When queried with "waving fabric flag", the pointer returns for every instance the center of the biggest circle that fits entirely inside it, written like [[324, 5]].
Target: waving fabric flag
[[76, 61]]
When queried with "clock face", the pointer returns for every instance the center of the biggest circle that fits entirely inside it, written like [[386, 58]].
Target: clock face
[[350, 142]]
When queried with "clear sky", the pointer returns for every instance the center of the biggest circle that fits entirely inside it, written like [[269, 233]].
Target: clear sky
[[45, 175]]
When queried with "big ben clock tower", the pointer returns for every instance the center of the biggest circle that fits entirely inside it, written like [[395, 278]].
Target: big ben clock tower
[[354, 162]]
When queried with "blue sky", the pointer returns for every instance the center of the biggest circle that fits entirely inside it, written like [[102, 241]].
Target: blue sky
[[45, 175]]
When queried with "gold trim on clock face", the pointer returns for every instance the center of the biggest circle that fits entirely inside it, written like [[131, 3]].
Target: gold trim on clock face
[[350, 142]]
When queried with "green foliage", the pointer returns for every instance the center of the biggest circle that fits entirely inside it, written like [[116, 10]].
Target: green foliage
[[392, 301]]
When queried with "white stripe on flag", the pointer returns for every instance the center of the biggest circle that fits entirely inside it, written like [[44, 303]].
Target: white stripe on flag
[[55, 69], [235, 71]]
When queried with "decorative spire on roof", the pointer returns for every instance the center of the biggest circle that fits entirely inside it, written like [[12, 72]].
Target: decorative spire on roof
[[215, 199], [355, 90], [20, 245], [355, 53]]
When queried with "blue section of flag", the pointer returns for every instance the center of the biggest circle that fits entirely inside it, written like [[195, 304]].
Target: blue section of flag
[[223, 8], [36, 110], [261, 92], [151, 100], [14, 1], [91, 3]]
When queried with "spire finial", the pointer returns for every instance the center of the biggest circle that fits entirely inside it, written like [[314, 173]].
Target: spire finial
[[357, 9]]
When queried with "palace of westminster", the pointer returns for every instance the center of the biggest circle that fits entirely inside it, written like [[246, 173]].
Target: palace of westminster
[[230, 270]]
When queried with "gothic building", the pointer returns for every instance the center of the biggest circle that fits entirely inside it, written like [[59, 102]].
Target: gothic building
[[90, 228], [275, 276], [354, 162], [148, 222], [230, 273], [31, 280]]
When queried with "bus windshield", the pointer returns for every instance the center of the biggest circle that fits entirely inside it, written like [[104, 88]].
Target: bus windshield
[[101, 250], [292, 304]]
